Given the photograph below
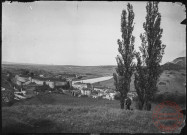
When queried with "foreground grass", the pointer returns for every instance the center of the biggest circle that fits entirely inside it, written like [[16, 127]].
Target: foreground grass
[[64, 116]]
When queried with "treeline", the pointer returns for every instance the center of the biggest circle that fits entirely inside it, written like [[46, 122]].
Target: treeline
[[147, 69]]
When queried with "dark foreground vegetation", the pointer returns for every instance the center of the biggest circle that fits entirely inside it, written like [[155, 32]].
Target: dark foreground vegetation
[[58, 113]]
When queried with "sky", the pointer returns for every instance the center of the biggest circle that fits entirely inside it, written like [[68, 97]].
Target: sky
[[81, 33]]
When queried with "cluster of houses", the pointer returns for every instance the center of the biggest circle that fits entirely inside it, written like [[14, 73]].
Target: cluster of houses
[[51, 82], [77, 88], [93, 91], [97, 91], [32, 82]]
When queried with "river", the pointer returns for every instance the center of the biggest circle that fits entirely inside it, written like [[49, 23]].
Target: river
[[94, 80]]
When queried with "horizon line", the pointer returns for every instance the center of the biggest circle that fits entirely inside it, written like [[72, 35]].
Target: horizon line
[[22, 63]]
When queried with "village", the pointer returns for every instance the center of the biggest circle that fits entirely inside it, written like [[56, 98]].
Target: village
[[28, 86], [93, 67]]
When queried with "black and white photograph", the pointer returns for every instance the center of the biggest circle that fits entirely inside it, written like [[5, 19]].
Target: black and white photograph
[[93, 67]]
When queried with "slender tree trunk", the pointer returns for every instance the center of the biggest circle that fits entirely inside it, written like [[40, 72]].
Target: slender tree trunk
[[122, 101], [147, 106], [122, 104], [140, 104]]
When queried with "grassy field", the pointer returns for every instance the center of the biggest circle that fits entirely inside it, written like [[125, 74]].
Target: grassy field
[[57, 113]]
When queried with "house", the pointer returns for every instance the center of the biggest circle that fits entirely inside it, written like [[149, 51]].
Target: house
[[65, 91], [90, 86], [99, 88], [112, 95], [2, 89], [51, 82], [105, 92], [60, 83], [37, 81], [101, 94], [75, 92], [109, 96], [94, 96], [79, 85], [132, 94], [86, 91], [41, 75], [22, 80]]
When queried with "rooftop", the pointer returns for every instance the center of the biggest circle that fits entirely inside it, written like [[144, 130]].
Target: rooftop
[[86, 89], [24, 76], [100, 87], [80, 83], [46, 79]]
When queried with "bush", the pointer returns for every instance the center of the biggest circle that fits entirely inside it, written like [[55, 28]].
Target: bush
[[138, 104], [175, 97], [117, 97], [7, 97], [135, 99], [183, 74], [79, 77], [84, 95], [162, 83]]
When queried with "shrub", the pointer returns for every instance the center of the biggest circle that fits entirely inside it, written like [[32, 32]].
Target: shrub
[[167, 81], [7, 97], [135, 99], [183, 74], [117, 97], [79, 77], [175, 97], [84, 95], [162, 83], [138, 104]]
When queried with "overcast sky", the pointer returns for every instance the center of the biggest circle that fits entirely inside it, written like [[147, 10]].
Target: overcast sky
[[81, 33]]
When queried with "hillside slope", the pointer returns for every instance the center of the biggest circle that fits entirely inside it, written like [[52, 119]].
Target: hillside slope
[[57, 113], [173, 78], [180, 61], [170, 81], [59, 69], [176, 64]]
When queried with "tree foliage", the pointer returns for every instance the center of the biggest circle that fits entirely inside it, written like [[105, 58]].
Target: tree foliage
[[148, 62], [125, 65]]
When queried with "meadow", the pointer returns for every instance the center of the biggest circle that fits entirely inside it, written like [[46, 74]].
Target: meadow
[[58, 113]]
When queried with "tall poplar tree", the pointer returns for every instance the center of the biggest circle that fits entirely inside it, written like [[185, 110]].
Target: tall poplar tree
[[148, 66], [125, 65]]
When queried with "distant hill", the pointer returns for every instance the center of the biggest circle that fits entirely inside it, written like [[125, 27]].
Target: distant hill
[[176, 64], [92, 71], [17, 63], [6, 62]]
